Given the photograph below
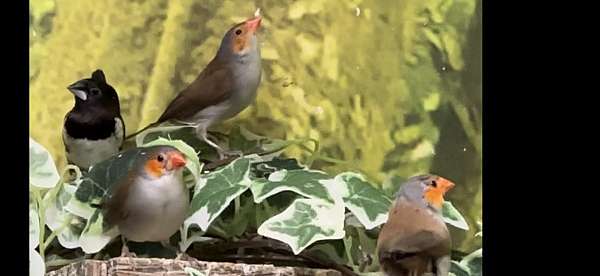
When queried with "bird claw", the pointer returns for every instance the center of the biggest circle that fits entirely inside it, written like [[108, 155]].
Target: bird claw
[[126, 253], [184, 257]]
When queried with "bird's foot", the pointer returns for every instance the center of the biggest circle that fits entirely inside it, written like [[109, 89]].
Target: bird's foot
[[126, 253], [182, 256]]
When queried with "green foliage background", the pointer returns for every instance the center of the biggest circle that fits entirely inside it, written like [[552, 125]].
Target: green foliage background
[[391, 87]]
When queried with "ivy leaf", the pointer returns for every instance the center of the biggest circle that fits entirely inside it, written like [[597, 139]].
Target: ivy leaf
[[42, 170], [59, 219], [103, 176], [368, 204], [94, 237], [474, 262], [453, 217], [36, 264], [215, 191], [307, 183], [34, 227], [459, 269], [193, 272], [304, 222]]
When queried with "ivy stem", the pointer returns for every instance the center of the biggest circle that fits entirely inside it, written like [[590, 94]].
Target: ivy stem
[[42, 223], [54, 234], [237, 206], [347, 247]]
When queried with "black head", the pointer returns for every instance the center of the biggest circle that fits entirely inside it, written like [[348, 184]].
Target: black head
[[95, 92]]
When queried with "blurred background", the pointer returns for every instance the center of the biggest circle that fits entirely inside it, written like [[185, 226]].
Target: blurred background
[[391, 87]]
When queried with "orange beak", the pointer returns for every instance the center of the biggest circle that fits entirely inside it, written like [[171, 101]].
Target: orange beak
[[445, 184], [177, 160], [252, 25]]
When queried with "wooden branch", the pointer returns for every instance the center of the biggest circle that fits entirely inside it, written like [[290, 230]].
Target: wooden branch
[[153, 266], [273, 246]]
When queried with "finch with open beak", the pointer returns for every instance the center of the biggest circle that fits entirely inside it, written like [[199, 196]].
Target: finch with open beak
[[224, 88], [415, 240]]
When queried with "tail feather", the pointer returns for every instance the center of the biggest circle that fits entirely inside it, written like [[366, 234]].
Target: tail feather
[[140, 131]]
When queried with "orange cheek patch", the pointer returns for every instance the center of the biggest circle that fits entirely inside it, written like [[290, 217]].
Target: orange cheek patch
[[239, 44], [435, 196], [154, 168]]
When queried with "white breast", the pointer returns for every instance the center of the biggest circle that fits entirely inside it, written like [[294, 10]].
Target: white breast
[[155, 208], [85, 153]]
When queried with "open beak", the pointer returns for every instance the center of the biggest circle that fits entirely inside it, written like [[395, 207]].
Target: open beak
[[78, 89], [253, 24], [177, 160]]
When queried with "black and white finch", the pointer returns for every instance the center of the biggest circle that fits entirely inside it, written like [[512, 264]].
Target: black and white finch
[[94, 129]]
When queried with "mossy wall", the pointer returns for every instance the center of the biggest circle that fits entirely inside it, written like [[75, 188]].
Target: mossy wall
[[391, 87]]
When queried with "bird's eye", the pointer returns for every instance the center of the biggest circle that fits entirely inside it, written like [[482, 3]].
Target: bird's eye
[[160, 158], [434, 184], [238, 32], [95, 91]]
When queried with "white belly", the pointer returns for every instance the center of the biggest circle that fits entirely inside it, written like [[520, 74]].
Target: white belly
[[155, 209], [85, 153]]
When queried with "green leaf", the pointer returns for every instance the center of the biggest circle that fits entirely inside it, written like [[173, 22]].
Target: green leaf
[[474, 262], [36, 264], [193, 272], [307, 183], [197, 236], [327, 252], [94, 237], [453, 48], [243, 140], [263, 169], [192, 164], [34, 227], [67, 225], [459, 269], [453, 217], [236, 226], [304, 222], [215, 191], [103, 176], [42, 170], [368, 204]]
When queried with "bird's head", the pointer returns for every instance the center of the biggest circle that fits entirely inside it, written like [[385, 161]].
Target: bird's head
[[95, 92], [241, 40], [163, 160], [427, 189]]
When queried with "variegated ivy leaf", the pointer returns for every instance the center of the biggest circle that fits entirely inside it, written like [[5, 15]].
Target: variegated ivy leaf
[[192, 164], [215, 191], [94, 236], [67, 225], [304, 222], [36, 264], [474, 262], [193, 272], [42, 170], [368, 204], [304, 182], [457, 269], [34, 227], [453, 217]]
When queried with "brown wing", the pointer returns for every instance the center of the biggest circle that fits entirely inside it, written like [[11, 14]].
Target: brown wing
[[212, 86], [411, 229], [113, 206]]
